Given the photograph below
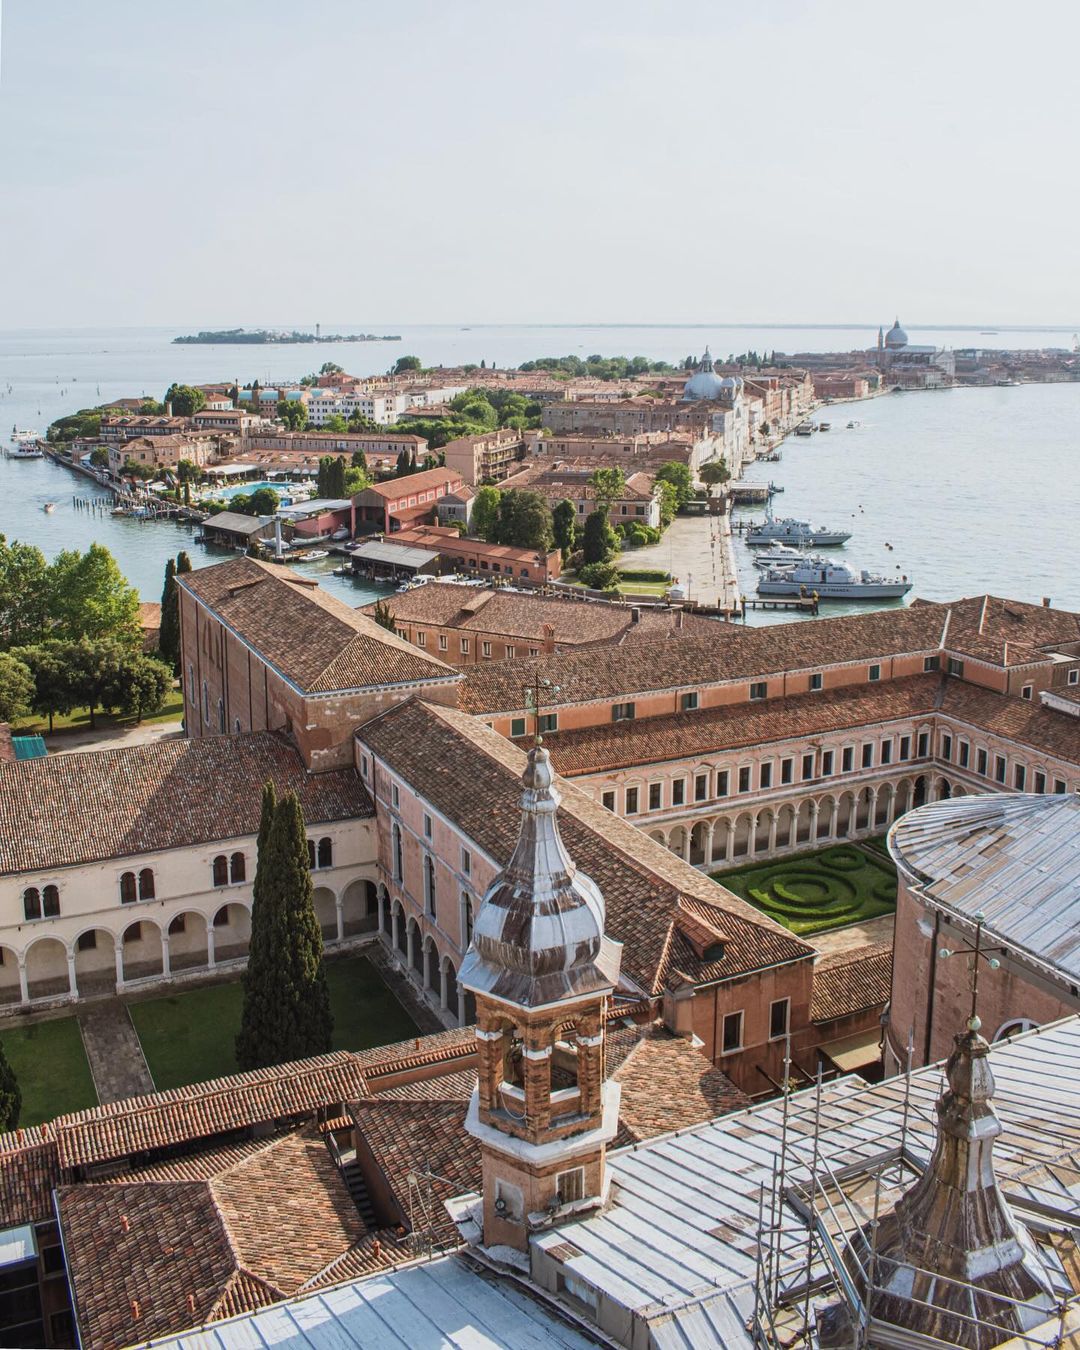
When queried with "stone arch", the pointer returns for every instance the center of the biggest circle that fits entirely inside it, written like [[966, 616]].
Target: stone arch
[[189, 947], [232, 931], [416, 949], [95, 961], [660, 836], [804, 822], [959, 790], [324, 901], [431, 965], [10, 990], [386, 910], [680, 841], [922, 790], [901, 797], [845, 818], [699, 843], [450, 985], [828, 805], [399, 925], [47, 968], [142, 950], [763, 830], [742, 835], [360, 907]]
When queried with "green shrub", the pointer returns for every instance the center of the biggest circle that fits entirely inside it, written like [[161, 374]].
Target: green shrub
[[643, 574], [600, 576], [819, 890], [842, 860]]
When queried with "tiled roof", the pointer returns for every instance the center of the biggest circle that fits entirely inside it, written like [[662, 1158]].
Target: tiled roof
[[148, 1256], [668, 1084], [182, 1115], [395, 488], [725, 653], [29, 1169], [472, 775], [850, 982], [315, 641], [678, 735], [94, 804], [1008, 632], [1027, 721]]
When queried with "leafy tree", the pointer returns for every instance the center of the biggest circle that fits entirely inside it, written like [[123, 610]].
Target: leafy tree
[[265, 1022], [608, 485], [88, 596], [187, 471], [169, 632], [309, 990], [142, 686], [669, 503], [183, 563], [16, 688], [715, 474], [356, 480], [358, 422], [293, 413], [564, 526], [678, 475], [132, 469], [600, 576], [331, 368], [359, 460], [475, 408], [331, 478], [524, 520], [406, 363], [383, 617], [99, 457], [10, 1095], [95, 673], [54, 687], [485, 516], [599, 540], [185, 399], [335, 424], [23, 593], [85, 423], [263, 501]]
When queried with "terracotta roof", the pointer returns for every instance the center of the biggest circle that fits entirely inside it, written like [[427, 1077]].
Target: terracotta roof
[[1008, 632], [668, 1084], [851, 981], [726, 654], [394, 488], [161, 1119], [679, 735], [150, 614], [1028, 721], [472, 775], [146, 1256], [318, 643], [29, 1169], [77, 808]]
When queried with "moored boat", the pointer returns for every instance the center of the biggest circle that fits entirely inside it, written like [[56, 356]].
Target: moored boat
[[24, 445], [779, 555], [797, 532], [832, 581]]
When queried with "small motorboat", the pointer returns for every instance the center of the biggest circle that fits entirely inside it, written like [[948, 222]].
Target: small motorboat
[[48, 507], [341, 533], [312, 555], [780, 555]]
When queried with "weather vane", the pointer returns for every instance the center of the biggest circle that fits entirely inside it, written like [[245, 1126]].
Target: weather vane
[[534, 701], [977, 954]]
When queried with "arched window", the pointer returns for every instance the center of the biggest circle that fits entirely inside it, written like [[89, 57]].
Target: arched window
[[237, 867], [399, 870], [127, 888], [178, 924], [221, 715], [146, 884], [1014, 1027], [50, 902], [429, 884], [311, 854], [31, 903], [326, 852], [221, 918], [221, 870]]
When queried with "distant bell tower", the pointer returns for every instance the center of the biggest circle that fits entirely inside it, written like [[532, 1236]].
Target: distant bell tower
[[318, 331], [541, 971]]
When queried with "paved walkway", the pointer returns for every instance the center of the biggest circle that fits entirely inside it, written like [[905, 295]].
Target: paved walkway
[[698, 552], [116, 1057], [869, 934], [109, 738]]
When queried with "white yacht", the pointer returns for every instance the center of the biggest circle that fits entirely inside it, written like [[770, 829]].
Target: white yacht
[[778, 555], [832, 581], [24, 445], [797, 532]]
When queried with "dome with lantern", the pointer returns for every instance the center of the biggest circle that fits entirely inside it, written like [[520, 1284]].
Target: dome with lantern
[[896, 338], [704, 383]]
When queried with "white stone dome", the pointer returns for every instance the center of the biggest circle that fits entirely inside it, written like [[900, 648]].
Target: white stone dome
[[896, 337], [704, 383], [731, 386]]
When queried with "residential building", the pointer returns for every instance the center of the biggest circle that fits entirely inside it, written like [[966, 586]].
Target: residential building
[[161, 452], [238, 421], [638, 502], [457, 507], [401, 503], [462, 554], [487, 458], [132, 425]]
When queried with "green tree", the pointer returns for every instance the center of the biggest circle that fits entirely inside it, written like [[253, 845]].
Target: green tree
[[23, 593], [187, 471], [335, 424], [714, 474], [337, 477], [485, 516], [524, 520], [266, 1018], [263, 501], [331, 368], [406, 363], [359, 460], [383, 617], [169, 632], [94, 669], [475, 408], [293, 413], [564, 526], [308, 987], [54, 689], [99, 457], [599, 540], [16, 688], [10, 1095], [678, 475], [185, 399], [608, 485], [600, 576], [141, 686], [88, 596], [669, 503], [356, 480]]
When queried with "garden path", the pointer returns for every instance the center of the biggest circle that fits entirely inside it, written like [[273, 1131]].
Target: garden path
[[869, 934], [112, 1048]]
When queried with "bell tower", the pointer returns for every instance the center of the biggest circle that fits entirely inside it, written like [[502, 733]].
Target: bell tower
[[541, 971]]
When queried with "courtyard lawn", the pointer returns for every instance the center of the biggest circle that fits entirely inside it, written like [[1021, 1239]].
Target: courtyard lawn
[[188, 1037], [171, 711], [50, 1064], [812, 892]]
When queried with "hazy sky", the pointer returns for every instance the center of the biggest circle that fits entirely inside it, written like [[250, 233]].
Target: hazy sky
[[220, 162]]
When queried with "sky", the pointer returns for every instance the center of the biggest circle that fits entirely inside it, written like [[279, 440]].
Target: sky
[[245, 162]]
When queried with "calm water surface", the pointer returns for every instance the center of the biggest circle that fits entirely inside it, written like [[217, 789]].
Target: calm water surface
[[975, 489]]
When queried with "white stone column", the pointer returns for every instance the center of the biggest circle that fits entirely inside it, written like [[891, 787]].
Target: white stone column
[[871, 814], [751, 840], [710, 832], [686, 844], [24, 984], [381, 898], [815, 810], [774, 822], [442, 984], [461, 1006], [166, 967], [395, 933], [729, 843], [411, 936], [73, 988], [339, 907], [210, 958], [834, 817], [793, 832], [119, 963]]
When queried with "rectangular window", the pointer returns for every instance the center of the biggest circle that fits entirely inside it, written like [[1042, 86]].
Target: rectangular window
[[678, 792], [1040, 781], [1074, 676], [931, 663], [688, 702], [549, 722], [571, 1185], [395, 796], [956, 667], [444, 642], [656, 792], [981, 762], [427, 826], [827, 759], [364, 770], [517, 726], [807, 766], [816, 681], [905, 747], [744, 779], [608, 799], [946, 746], [623, 712], [868, 755], [1019, 777], [779, 1014], [1059, 787], [466, 862], [464, 646], [999, 768], [722, 782], [765, 776], [1026, 691], [963, 753], [732, 1032], [485, 649], [847, 759], [701, 787], [759, 690], [923, 747], [511, 652], [631, 801], [886, 752], [787, 769], [421, 638], [874, 673]]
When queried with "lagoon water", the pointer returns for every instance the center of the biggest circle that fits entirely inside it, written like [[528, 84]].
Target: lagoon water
[[976, 489]]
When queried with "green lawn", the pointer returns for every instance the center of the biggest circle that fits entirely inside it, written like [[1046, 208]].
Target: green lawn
[[79, 720], [812, 892], [189, 1037], [51, 1067]]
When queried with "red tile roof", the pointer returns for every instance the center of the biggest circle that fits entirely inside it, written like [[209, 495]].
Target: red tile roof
[[393, 489], [851, 981], [1030, 723]]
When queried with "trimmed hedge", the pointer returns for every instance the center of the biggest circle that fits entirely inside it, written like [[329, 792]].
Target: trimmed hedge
[[643, 574]]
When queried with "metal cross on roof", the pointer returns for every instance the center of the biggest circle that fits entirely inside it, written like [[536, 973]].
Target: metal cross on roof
[[977, 953], [534, 701]]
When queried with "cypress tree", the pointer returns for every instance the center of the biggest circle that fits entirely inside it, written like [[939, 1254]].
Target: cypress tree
[[267, 1022], [308, 991], [183, 563], [169, 633], [10, 1095]]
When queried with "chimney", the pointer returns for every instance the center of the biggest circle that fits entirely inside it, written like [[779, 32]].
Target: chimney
[[635, 614], [168, 409], [1046, 602], [548, 631]]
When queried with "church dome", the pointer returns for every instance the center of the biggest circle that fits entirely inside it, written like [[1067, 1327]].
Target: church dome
[[731, 386], [704, 383], [896, 337]]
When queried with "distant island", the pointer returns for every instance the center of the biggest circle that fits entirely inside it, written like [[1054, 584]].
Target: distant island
[[262, 336]]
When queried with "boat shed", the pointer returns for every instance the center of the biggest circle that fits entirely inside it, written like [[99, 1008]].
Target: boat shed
[[379, 558], [230, 529]]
